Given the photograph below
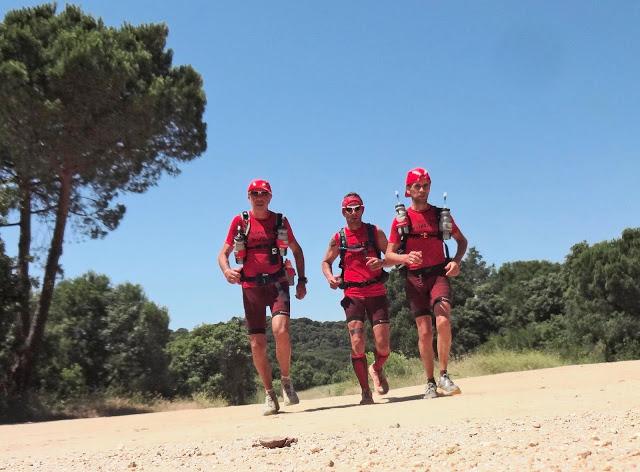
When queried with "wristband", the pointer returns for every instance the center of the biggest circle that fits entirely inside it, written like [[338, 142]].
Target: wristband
[[302, 280]]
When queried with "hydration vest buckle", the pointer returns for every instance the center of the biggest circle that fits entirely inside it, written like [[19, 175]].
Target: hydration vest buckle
[[263, 279]]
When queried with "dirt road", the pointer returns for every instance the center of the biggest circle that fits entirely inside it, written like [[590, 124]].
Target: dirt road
[[569, 418]]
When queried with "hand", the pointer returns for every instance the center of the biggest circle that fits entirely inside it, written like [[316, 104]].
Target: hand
[[301, 290], [414, 258], [373, 263], [232, 275], [453, 269], [334, 282]]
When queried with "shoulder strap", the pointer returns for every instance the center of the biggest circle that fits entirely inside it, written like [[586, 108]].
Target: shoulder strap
[[246, 221], [275, 252], [343, 247], [373, 241], [438, 212], [446, 248]]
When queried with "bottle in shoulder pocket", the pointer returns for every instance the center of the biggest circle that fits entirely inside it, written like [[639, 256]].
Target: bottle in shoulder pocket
[[240, 246], [446, 223], [283, 240], [402, 221]]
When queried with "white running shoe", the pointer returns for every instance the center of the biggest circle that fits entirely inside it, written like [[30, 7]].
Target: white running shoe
[[271, 405]]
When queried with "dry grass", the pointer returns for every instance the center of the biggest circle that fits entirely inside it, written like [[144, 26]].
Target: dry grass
[[402, 372]]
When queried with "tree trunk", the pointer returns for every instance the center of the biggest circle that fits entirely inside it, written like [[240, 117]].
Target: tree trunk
[[24, 248], [25, 357]]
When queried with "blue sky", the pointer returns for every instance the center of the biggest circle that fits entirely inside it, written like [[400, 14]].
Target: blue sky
[[526, 113]]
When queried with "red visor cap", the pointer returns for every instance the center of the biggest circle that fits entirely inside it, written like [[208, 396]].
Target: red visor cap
[[351, 200], [415, 175], [259, 184]]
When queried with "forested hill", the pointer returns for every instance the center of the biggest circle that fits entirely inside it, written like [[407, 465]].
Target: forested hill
[[321, 351], [328, 339]]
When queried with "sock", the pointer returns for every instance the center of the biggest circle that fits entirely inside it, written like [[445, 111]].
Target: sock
[[360, 368], [442, 372], [380, 360]]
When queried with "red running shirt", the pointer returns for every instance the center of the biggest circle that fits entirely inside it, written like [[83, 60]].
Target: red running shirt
[[423, 222], [355, 269], [261, 233]]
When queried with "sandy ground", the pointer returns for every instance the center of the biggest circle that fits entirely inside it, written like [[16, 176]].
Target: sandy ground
[[569, 418]]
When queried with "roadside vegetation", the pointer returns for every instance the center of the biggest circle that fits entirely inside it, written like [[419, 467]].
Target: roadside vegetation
[[109, 350]]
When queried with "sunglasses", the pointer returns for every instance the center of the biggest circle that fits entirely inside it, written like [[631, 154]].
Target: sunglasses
[[258, 193], [353, 209], [421, 186]]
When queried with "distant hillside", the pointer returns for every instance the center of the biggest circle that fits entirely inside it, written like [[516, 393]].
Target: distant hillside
[[321, 351]]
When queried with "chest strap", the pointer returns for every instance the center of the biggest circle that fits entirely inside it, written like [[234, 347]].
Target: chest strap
[[437, 269], [264, 279], [382, 278], [425, 235]]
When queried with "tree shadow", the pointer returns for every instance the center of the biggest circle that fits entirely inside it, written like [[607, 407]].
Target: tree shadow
[[37, 413]]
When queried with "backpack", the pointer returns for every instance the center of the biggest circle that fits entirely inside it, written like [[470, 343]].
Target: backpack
[[403, 237], [274, 253], [371, 243]]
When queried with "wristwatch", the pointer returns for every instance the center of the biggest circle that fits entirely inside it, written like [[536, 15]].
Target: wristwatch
[[302, 280]]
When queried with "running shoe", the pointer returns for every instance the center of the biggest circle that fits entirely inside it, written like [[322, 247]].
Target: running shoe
[[447, 386], [288, 392], [367, 398], [431, 390], [271, 405], [380, 382]]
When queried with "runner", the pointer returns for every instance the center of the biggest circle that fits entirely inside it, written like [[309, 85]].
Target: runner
[[360, 246], [260, 239], [427, 268]]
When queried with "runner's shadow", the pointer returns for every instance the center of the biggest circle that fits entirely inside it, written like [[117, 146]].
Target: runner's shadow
[[403, 399], [351, 405]]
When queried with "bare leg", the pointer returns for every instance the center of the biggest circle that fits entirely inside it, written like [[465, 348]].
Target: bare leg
[[260, 359], [425, 343], [381, 337], [280, 328], [356, 334], [443, 325]]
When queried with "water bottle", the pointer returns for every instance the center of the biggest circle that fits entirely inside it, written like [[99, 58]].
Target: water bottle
[[402, 222], [239, 246], [283, 240], [446, 223]]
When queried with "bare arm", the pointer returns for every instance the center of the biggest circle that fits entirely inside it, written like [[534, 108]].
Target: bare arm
[[393, 258], [373, 262], [453, 267], [298, 255], [332, 253], [232, 275]]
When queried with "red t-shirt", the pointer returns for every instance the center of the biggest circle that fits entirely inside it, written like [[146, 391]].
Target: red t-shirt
[[355, 269], [261, 233], [423, 222]]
